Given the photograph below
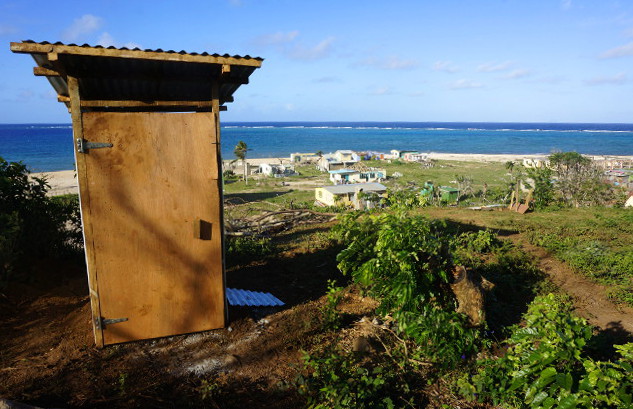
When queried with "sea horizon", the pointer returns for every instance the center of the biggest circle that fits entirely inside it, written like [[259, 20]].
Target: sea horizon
[[46, 147]]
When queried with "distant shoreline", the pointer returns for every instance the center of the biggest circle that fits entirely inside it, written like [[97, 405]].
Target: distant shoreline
[[64, 181]]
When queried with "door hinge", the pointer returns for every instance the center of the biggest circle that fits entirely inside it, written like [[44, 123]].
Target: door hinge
[[102, 323], [83, 146]]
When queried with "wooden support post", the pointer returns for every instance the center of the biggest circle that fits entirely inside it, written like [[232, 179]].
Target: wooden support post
[[84, 202], [215, 109]]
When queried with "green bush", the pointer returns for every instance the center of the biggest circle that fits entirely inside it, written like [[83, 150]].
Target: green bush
[[33, 225], [339, 380], [331, 316], [248, 248], [482, 241], [404, 261], [546, 365]]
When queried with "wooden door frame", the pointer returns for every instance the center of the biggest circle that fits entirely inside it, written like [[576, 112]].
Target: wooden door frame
[[84, 201]]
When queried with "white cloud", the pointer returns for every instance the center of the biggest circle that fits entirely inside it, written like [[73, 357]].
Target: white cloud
[[445, 66], [625, 50], [235, 3], [390, 63], [516, 74], [554, 79], [287, 44], [566, 4], [106, 40], [305, 53], [83, 25], [276, 38], [495, 67], [465, 84], [6, 29], [617, 79], [381, 91]]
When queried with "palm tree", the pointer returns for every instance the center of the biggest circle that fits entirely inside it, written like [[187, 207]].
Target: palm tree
[[240, 152]]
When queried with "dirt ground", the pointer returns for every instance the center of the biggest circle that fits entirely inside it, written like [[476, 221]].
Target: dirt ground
[[590, 299], [48, 358]]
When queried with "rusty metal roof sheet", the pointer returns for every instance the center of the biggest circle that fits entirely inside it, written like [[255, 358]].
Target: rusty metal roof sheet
[[122, 74], [246, 298]]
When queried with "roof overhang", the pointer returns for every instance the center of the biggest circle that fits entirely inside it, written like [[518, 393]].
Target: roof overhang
[[116, 79]]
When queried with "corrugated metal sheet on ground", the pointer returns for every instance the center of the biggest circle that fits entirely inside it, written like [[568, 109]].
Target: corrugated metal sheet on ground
[[251, 298]]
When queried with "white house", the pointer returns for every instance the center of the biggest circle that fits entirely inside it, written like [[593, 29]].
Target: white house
[[346, 156], [276, 170], [304, 157], [415, 157], [337, 160], [349, 195]]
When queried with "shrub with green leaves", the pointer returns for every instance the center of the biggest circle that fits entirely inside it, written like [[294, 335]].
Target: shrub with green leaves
[[546, 365], [339, 380], [481, 241], [331, 316], [405, 199], [404, 261], [33, 225], [248, 248]]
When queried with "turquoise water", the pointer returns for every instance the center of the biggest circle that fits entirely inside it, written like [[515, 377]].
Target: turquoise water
[[48, 147]]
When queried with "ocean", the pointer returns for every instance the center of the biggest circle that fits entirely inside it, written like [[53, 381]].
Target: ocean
[[48, 147]]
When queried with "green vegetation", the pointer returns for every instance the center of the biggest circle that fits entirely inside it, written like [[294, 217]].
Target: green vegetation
[[596, 242], [331, 316], [547, 366], [335, 379], [240, 153], [578, 179], [33, 225], [404, 262], [246, 248]]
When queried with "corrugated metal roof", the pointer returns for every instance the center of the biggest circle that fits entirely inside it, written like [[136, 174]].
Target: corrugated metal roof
[[248, 298], [352, 188], [121, 74], [339, 171], [158, 50]]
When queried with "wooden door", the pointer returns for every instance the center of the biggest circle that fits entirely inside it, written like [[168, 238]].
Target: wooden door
[[151, 207]]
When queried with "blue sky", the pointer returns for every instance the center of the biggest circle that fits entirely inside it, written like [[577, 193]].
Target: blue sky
[[502, 60]]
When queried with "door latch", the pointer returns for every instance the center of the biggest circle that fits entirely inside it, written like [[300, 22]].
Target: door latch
[[102, 323], [83, 146]]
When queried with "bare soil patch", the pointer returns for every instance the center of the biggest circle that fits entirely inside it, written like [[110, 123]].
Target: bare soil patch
[[48, 358], [590, 299]]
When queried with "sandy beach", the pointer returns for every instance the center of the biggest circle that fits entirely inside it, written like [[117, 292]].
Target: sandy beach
[[64, 182]]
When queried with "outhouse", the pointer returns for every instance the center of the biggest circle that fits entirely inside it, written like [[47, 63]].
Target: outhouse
[[146, 134]]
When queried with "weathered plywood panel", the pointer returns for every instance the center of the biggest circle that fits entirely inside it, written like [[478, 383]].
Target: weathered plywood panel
[[149, 195]]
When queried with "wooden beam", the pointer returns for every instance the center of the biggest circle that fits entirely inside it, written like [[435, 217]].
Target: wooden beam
[[134, 103], [84, 199], [45, 72], [51, 49], [63, 98]]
